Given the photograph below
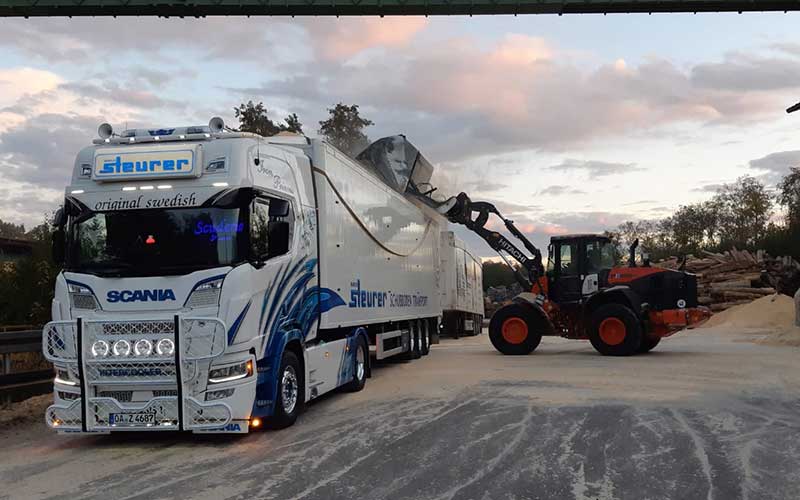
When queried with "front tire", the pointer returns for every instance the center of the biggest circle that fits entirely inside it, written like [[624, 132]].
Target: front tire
[[291, 396], [515, 330], [615, 330], [649, 342]]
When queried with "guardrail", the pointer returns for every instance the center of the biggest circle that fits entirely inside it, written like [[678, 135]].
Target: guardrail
[[19, 384]]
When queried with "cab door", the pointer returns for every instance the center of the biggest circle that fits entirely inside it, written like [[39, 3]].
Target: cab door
[[567, 278]]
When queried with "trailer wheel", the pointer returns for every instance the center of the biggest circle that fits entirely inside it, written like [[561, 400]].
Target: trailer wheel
[[649, 342], [425, 345], [416, 336], [515, 330], [290, 398], [615, 330], [359, 367]]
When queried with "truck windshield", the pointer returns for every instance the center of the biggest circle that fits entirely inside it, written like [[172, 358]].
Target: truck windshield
[[156, 242]]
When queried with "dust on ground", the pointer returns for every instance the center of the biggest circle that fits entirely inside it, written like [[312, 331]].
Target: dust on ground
[[768, 320]]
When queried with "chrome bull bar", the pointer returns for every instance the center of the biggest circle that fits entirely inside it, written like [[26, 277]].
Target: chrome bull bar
[[106, 354]]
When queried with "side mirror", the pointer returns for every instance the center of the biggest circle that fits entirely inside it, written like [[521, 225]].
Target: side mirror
[[59, 244], [278, 238], [60, 218], [278, 207]]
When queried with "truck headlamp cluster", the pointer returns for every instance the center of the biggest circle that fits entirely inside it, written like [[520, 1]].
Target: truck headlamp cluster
[[141, 348], [230, 373], [206, 294], [82, 297]]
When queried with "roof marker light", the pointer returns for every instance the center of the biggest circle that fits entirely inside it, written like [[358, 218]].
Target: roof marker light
[[220, 184], [156, 138], [165, 186], [145, 188], [129, 188], [182, 136], [76, 191], [132, 139]]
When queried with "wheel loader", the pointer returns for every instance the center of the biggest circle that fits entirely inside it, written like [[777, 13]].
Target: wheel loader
[[581, 293]]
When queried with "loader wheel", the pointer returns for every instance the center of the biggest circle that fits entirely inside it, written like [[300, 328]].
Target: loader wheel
[[615, 330], [515, 330], [649, 342]]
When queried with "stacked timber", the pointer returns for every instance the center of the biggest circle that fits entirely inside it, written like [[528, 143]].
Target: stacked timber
[[738, 277]]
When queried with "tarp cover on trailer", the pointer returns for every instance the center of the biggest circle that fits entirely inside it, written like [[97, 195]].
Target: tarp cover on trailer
[[396, 161]]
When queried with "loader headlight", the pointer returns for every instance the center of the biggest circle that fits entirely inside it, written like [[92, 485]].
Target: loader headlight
[[121, 348], [206, 294], [100, 349], [230, 373], [165, 347]]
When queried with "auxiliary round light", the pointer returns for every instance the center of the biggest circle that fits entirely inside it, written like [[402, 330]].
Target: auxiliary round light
[[143, 347], [165, 347], [100, 349], [121, 348]]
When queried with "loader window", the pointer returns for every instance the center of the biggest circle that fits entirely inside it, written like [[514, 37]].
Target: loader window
[[599, 256], [568, 263]]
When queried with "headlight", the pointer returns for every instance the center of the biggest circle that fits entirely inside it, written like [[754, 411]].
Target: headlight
[[81, 297], [63, 377], [215, 395], [165, 347], [121, 348], [206, 294], [230, 373], [143, 347], [100, 349]]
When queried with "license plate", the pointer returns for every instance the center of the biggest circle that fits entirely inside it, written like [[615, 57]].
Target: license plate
[[132, 418]]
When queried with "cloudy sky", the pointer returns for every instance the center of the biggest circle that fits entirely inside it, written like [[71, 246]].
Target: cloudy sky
[[569, 124]]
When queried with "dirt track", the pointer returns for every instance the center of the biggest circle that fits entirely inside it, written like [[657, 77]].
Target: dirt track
[[706, 416]]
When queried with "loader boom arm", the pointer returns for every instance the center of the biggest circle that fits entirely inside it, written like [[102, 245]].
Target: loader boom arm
[[462, 213]]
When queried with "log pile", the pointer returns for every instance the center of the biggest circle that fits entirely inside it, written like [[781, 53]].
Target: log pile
[[737, 277]]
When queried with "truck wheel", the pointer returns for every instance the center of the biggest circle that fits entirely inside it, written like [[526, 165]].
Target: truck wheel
[[359, 367], [515, 330], [290, 398], [649, 342], [416, 336], [615, 330], [425, 345]]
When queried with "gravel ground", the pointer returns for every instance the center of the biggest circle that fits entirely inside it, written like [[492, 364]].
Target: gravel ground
[[707, 415]]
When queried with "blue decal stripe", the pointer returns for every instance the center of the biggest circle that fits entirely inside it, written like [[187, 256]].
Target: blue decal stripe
[[237, 323]]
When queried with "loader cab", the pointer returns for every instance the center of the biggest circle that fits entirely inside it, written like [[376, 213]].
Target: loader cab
[[578, 265]]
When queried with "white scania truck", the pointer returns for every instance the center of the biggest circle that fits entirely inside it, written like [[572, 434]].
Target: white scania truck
[[214, 281]]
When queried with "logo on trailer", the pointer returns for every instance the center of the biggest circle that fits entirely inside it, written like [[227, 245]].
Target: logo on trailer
[[154, 295]]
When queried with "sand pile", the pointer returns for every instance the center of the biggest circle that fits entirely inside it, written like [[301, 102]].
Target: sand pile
[[772, 316], [25, 412]]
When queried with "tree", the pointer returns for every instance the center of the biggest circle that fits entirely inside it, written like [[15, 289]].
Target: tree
[[293, 124], [344, 129], [253, 118], [11, 230], [744, 211], [497, 274], [788, 196]]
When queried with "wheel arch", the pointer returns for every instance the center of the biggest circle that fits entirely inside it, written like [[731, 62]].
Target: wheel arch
[[528, 300], [614, 295]]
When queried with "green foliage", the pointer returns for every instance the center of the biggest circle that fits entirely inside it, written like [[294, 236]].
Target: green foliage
[[26, 288], [497, 274], [253, 118], [344, 129], [737, 215], [789, 197], [11, 230]]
